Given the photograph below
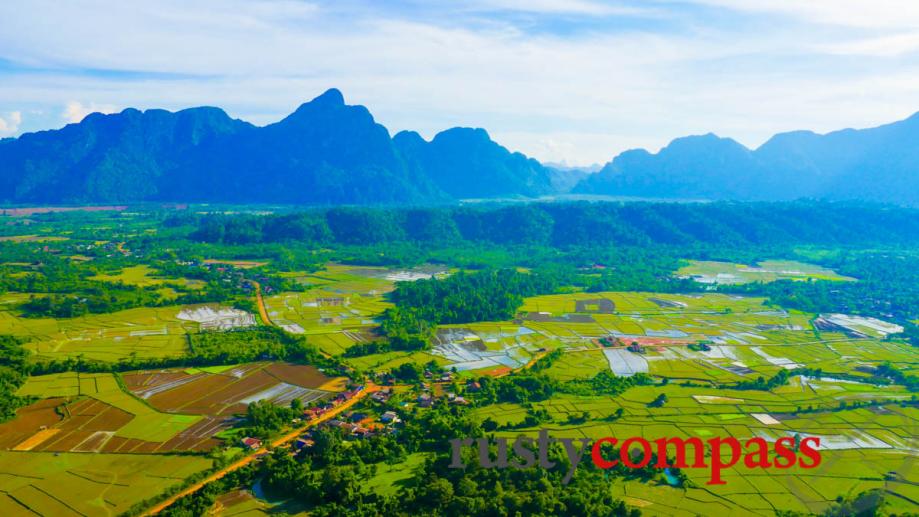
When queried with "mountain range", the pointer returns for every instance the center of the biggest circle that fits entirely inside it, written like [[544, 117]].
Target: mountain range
[[877, 164], [325, 152], [328, 152]]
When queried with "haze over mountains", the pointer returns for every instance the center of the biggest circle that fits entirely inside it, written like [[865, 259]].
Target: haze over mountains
[[327, 152], [877, 164]]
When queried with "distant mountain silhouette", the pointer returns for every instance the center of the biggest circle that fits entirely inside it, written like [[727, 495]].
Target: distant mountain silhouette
[[325, 152], [877, 164]]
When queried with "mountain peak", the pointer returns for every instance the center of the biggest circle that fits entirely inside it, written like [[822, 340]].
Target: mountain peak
[[332, 97], [472, 134]]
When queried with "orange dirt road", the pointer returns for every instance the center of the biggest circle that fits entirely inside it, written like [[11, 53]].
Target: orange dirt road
[[287, 438], [262, 311]]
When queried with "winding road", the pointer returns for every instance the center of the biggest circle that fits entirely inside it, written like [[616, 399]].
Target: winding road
[[254, 455]]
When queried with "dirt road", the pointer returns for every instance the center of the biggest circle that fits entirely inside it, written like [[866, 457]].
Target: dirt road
[[287, 438], [262, 310]]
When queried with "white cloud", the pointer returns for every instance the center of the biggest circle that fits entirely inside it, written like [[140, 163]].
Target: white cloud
[[9, 125], [76, 111], [579, 94], [583, 7], [881, 46], [850, 13]]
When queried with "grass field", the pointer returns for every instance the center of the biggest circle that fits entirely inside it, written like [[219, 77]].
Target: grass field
[[33, 483], [145, 276], [388, 477]]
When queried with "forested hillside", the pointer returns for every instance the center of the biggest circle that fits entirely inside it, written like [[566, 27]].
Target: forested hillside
[[582, 224]]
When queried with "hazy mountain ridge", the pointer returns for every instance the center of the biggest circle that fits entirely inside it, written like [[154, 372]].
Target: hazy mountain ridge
[[325, 152], [877, 164], [328, 152]]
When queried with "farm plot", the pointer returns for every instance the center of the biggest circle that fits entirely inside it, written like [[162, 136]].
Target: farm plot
[[711, 272], [36, 483], [28, 421], [863, 446], [666, 319], [321, 311], [227, 392], [89, 425], [486, 346], [145, 423], [742, 337], [423, 272], [625, 363], [144, 332], [341, 308], [857, 326], [578, 364]]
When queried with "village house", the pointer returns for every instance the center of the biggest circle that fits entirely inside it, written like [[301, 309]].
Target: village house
[[381, 396], [252, 443]]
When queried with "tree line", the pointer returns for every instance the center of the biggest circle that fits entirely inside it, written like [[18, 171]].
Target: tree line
[[722, 224]]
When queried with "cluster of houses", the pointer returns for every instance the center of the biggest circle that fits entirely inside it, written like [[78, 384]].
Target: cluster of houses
[[231, 275], [359, 424], [310, 414], [427, 399], [443, 377]]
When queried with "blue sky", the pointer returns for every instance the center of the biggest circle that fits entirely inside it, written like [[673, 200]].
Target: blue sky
[[577, 80]]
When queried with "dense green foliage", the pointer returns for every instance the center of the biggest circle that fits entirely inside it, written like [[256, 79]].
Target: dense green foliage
[[584, 224], [490, 295], [328, 477], [887, 286], [244, 345], [64, 289], [14, 369]]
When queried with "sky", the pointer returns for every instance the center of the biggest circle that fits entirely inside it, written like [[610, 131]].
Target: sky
[[572, 81]]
